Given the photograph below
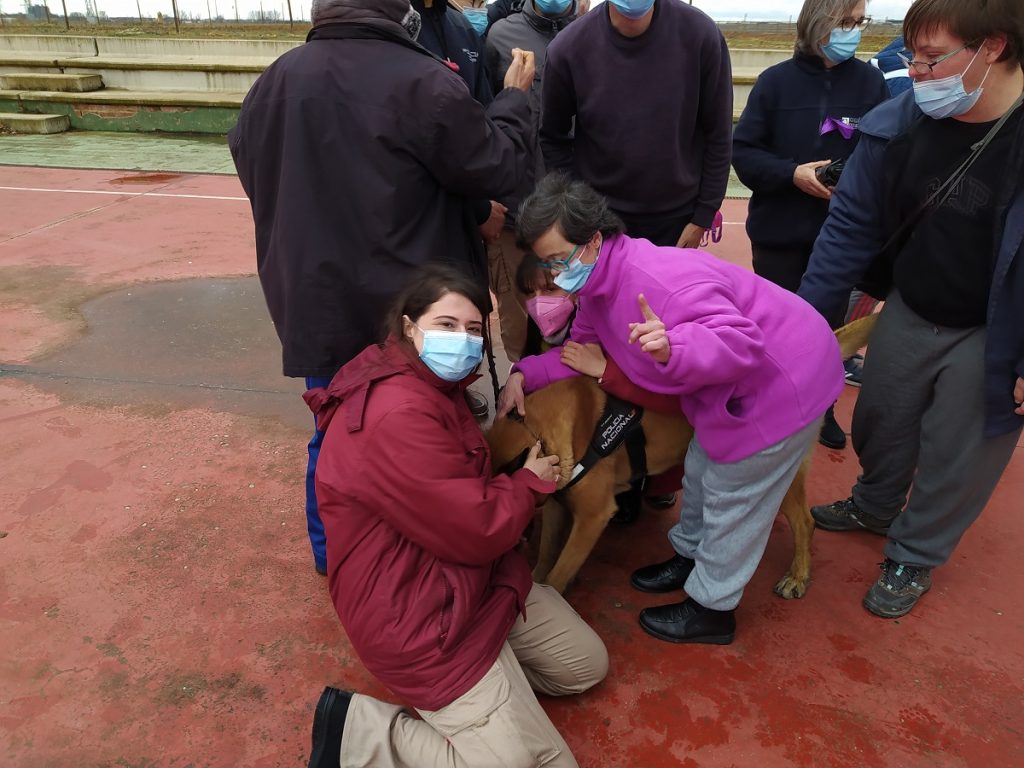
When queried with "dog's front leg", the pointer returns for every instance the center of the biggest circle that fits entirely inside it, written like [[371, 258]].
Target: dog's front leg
[[553, 518], [592, 505]]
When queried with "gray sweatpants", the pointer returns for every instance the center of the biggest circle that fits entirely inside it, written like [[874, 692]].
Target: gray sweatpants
[[919, 421], [727, 514]]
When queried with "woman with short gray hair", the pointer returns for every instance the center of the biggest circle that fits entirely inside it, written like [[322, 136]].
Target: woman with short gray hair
[[798, 128], [753, 367]]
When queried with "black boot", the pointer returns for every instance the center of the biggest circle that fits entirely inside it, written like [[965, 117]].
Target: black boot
[[689, 622], [663, 577], [628, 503], [832, 435], [328, 725]]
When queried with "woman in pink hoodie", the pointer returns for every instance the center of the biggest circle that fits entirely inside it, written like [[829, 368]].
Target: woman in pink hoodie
[[754, 368]]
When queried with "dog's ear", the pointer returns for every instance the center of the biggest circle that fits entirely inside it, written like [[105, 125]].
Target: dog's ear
[[513, 466]]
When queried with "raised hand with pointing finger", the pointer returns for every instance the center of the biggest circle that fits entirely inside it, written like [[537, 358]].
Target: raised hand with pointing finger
[[650, 334]]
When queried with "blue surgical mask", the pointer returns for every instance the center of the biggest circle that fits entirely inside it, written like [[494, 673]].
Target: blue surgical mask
[[452, 355], [552, 7], [577, 273], [478, 18], [842, 45], [632, 9], [947, 97]]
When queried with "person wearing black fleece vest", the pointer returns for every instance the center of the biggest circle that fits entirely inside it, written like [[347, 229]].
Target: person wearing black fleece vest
[[781, 130]]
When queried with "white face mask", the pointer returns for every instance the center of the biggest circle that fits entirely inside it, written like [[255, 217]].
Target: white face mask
[[947, 97]]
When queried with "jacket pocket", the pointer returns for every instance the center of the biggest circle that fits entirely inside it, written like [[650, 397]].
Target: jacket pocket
[[488, 726]]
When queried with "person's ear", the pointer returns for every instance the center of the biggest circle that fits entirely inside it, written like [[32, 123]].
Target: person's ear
[[993, 48], [408, 328]]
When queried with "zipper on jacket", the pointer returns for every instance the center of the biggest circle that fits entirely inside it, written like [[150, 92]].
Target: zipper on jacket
[[446, 610], [826, 92]]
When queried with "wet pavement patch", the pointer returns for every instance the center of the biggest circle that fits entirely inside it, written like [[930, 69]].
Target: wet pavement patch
[[185, 344]]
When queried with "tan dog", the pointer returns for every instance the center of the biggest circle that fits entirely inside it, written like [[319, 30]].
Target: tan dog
[[563, 417]]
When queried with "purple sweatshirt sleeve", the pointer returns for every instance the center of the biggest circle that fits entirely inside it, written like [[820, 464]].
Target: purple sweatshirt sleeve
[[711, 341], [716, 122]]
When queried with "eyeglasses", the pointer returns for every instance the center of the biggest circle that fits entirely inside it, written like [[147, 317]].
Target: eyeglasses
[[849, 24], [926, 67], [560, 265]]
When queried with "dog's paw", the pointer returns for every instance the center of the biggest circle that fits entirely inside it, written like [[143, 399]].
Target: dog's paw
[[790, 587]]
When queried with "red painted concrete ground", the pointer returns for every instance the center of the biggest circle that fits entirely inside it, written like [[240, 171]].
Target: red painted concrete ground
[[157, 601]]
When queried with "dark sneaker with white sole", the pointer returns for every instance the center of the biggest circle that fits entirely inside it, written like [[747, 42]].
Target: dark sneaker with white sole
[[845, 515], [898, 589]]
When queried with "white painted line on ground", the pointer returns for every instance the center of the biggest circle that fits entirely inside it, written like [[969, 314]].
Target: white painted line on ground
[[123, 194]]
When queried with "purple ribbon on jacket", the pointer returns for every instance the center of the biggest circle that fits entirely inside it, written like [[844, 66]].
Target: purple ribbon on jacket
[[845, 129]]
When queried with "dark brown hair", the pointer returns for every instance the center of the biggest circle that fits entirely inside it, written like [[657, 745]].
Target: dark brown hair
[[972, 21], [529, 273], [426, 286]]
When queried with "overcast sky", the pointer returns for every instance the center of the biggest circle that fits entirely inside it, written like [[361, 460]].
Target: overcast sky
[[718, 9]]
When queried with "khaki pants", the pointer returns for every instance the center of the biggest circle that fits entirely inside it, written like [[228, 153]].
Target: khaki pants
[[503, 259], [498, 723]]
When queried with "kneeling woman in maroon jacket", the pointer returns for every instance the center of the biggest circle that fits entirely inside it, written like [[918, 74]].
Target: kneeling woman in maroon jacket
[[422, 560]]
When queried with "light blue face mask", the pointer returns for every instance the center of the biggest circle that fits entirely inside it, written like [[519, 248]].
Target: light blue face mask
[[632, 9], [576, 273], [552, 7], [842, 45], [452, 355], [478, 18], [947, 97]]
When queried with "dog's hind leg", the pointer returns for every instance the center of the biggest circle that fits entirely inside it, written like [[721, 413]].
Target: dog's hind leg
[[794, 507], [552, 533]]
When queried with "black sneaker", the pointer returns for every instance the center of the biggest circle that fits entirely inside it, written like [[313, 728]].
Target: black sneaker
[[477, 404], [627, 506], [665, 501], [832, 435], [328, 725], [898, 589], [854, 370], [845, 515]]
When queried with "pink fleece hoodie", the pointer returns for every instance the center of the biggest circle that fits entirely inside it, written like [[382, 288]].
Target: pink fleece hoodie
[[751, 362]]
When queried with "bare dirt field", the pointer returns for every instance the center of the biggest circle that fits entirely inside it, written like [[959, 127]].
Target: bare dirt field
[[748, 35]]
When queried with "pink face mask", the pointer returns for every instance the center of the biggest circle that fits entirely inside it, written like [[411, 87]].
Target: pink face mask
[[550, 313]]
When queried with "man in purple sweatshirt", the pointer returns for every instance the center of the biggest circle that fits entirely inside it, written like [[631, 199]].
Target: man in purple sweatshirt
[[637, 102]]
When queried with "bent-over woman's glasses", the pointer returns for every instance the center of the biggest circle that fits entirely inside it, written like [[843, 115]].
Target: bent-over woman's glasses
[[560, 265]]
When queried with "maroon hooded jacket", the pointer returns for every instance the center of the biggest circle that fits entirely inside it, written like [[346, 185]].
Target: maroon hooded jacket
[[420, 536]]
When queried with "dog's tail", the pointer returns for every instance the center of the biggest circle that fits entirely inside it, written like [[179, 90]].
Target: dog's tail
[[853, 336], [510, 442]]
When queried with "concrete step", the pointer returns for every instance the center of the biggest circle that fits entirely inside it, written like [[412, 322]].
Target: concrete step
[[29, 123], [29, 81], [210, 112]]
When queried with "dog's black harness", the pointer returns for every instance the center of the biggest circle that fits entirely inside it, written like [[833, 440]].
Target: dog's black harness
[[620, 422]]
